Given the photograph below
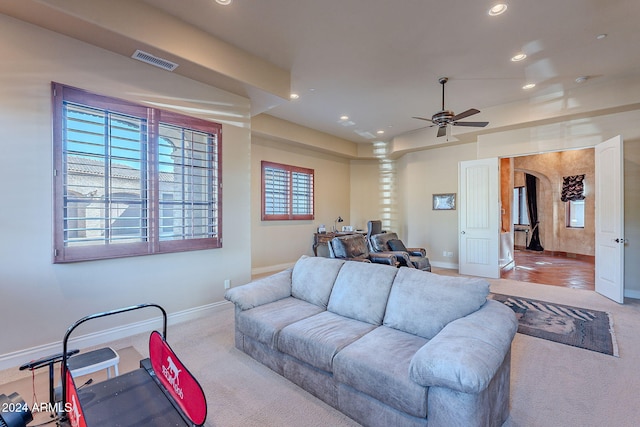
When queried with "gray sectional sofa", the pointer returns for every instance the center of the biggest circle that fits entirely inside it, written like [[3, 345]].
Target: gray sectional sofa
[[385, 346]]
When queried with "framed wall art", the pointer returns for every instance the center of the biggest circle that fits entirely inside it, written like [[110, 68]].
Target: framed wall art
[[444, 202]]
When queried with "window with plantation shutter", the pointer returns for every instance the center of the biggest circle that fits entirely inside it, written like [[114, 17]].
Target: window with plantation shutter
[[287, 192], [132, 180]]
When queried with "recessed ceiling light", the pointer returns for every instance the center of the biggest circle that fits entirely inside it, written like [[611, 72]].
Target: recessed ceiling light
[[519, 57], [344, 117], [380, 132], [498, 9], [223, 2], [601, 36], [294, 96], [529, 86], [582, 79]]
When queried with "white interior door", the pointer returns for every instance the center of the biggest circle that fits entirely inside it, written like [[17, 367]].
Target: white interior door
[[609, 193], [479, 218]]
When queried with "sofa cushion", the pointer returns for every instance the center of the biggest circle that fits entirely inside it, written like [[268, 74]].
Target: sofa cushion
[[378, 365], [313, 277], [316, 339], [423, 303], [264, 322], [361, 291]]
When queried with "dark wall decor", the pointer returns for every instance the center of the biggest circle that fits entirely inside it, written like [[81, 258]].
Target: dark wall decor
[[572, 188]]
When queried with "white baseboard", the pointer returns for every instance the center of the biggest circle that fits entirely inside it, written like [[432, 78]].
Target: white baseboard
[[17, 358], [632, 293], [449, 265], [271, 268]]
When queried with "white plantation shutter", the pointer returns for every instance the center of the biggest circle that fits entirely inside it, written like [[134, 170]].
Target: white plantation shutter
[[287, 192], [126, 184]]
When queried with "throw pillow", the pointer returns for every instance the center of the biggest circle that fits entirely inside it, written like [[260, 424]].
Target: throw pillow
[[396, 245]]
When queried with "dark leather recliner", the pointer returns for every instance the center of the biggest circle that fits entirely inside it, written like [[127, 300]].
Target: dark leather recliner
[[353, 247], [389, 243]]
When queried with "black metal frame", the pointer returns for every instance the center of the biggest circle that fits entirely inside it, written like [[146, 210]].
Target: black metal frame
[[48, 361], [96, 316]]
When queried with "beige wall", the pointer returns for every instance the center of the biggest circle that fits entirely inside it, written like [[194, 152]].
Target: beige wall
[[422, 174], [369, 191], [39, 300], [277, 244], [60, 294], [550, 168]]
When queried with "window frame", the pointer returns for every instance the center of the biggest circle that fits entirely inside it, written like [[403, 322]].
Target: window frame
[[521, 203], [569, 207], [290, 170], [151, 243]]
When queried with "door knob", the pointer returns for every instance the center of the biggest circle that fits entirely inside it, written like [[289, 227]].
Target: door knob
[[462, 232]]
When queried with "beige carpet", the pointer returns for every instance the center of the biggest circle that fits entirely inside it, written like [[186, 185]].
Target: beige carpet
[[551, 384]]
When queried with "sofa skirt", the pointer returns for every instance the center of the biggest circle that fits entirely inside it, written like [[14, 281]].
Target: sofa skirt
[[371, 412]]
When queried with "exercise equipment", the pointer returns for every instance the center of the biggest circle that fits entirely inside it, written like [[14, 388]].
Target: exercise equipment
[[160, 393]]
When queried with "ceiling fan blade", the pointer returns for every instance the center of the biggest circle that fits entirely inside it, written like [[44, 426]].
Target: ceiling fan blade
[[469, 112], [423, 118], [471, 124], [442, 131]]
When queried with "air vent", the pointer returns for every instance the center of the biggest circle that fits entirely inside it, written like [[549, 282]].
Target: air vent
[[154, 60]]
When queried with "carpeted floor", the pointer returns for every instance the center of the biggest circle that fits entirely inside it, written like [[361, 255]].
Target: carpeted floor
[[551, 384]]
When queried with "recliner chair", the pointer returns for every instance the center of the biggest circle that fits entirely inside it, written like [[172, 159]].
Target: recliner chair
[[353, 247], [389, 243]]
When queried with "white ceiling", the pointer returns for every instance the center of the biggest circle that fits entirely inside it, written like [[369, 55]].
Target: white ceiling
[[378, 61]]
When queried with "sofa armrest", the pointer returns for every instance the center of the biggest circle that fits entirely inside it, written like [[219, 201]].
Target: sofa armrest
[[262, 291], [467, 353], [417, 252]]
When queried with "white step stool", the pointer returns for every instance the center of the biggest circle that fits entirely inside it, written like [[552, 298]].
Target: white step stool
[[93, 361]]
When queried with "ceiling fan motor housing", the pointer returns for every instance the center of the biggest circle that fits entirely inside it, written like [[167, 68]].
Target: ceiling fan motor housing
[[442, 117]]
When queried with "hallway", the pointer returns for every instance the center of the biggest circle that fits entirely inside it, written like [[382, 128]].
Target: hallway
[[557, 270]]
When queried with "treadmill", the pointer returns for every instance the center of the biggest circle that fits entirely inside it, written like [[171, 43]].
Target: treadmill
[[160, 393]]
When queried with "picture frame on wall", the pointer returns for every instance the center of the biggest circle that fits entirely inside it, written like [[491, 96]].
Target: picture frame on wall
[[444, 202]]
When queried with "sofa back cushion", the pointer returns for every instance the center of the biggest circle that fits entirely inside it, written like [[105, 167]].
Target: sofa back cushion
[[380, 242], [361, 291], [422, 303], [313, 277], [350, 246]]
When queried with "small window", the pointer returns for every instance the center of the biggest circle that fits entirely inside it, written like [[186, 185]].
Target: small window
[[520, 212], [575, 213], [287, 192]]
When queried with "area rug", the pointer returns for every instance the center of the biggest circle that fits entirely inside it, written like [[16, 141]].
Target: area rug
[[578, 327]]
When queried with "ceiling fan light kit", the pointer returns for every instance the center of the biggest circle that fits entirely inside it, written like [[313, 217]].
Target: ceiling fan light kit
[[447, 117]]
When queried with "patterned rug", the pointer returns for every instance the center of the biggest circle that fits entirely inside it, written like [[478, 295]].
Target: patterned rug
[[578, 327]]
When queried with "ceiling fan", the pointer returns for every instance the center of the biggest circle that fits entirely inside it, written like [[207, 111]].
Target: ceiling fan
[[447, 117]]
